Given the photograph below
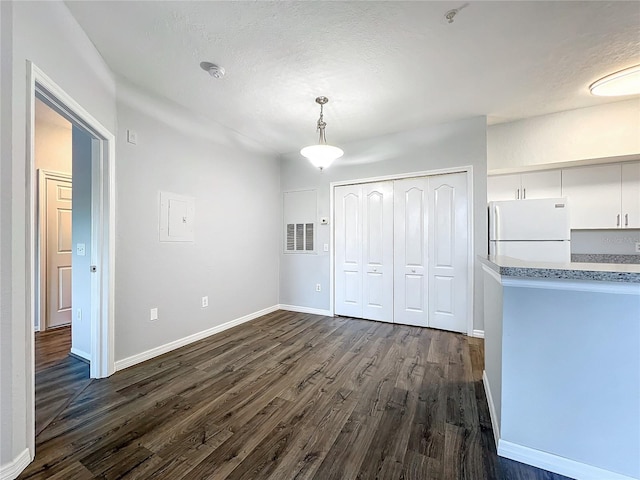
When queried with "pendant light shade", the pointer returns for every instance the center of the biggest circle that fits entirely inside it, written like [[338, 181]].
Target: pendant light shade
[[321, 155]]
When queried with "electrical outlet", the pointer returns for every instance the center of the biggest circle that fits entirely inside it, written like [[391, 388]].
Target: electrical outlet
[[205, 301], [318, 288], [80, 249], [153, 314], [637, 247]]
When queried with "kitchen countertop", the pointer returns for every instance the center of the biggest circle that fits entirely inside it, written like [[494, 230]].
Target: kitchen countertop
[[606, 272]]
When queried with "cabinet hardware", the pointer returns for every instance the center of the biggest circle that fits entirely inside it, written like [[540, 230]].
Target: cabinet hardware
[[626, 219], [518, 194], [524, 193], [618, 221]]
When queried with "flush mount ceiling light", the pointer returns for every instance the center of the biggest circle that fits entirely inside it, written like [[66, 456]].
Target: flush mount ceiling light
[[321, 155], [624, 82], [214, 70]]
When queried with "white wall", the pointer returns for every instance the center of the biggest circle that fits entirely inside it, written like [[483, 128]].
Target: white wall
[[608, 130], [47, 34], [52, 145], [81, 233], [440, 146], [234, 258], [7, 348]]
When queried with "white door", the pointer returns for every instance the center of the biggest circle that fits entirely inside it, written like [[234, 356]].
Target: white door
[[410, 252], [377, 255], [58, 253], [448, 243], [348, 250]]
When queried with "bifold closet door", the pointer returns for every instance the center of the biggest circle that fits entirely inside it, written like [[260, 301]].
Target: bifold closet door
[[448, 251], [364, 251], [410, 252]]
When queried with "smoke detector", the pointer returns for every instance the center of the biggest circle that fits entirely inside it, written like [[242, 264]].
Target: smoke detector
[[214, 70]]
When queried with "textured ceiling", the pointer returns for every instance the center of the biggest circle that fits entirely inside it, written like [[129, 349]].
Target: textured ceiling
[[385, 66]]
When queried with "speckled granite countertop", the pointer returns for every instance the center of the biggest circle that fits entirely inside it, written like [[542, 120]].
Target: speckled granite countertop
[[604, 258], [605, 272]]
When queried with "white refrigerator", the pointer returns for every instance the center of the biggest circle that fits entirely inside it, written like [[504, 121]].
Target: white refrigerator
[[532, 230]]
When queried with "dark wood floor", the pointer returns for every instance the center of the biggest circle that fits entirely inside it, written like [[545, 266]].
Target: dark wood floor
[[59, 377], [287, 396]]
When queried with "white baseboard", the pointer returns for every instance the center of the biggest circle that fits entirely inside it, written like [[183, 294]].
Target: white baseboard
[[478, 333], [81, 354], [556, 464], [162, 349], [492, 408], [315, 311], [11, 470]]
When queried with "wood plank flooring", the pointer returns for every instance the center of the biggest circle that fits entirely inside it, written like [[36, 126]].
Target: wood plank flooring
[[287, 396], [59, 376]]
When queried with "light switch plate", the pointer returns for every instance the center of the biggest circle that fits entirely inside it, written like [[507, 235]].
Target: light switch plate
[[132, 137], [326, 247], [153, 314]]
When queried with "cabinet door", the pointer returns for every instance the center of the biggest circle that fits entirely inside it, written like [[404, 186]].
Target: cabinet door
[[631, 195], [594, 196], [547, 184], [503, 187]]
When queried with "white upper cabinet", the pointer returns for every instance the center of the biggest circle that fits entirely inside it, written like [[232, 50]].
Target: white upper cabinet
[[521, 186], [630, 191], [603, 196], [594, 194]]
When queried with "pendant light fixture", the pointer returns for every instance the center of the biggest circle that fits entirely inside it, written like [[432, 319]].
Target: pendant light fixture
[[321, 155]]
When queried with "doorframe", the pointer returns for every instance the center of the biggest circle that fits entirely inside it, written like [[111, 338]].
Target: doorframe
[[102, 233], [468, 169], [41, 253]]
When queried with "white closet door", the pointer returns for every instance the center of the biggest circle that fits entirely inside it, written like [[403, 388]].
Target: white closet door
[[377, 244], [410, 252], [448, 240], [348, 250]]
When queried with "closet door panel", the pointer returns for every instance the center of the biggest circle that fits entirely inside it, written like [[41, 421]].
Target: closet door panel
[[448, 243], [348, 251], [377, 215], [410, 252]]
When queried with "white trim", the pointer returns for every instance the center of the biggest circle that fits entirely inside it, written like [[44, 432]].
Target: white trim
[[81, 354], [103, 220], [492, 408], [593, 286], [167, 347], [12, 469], [468, 169], [477, 333], [315, 311], [400, 176], [555, 463]]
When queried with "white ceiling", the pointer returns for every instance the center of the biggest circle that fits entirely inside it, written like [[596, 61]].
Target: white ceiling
[[45, 114], [385, 66]]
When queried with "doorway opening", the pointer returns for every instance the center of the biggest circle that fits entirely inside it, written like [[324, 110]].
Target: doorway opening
[[70, 230]]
